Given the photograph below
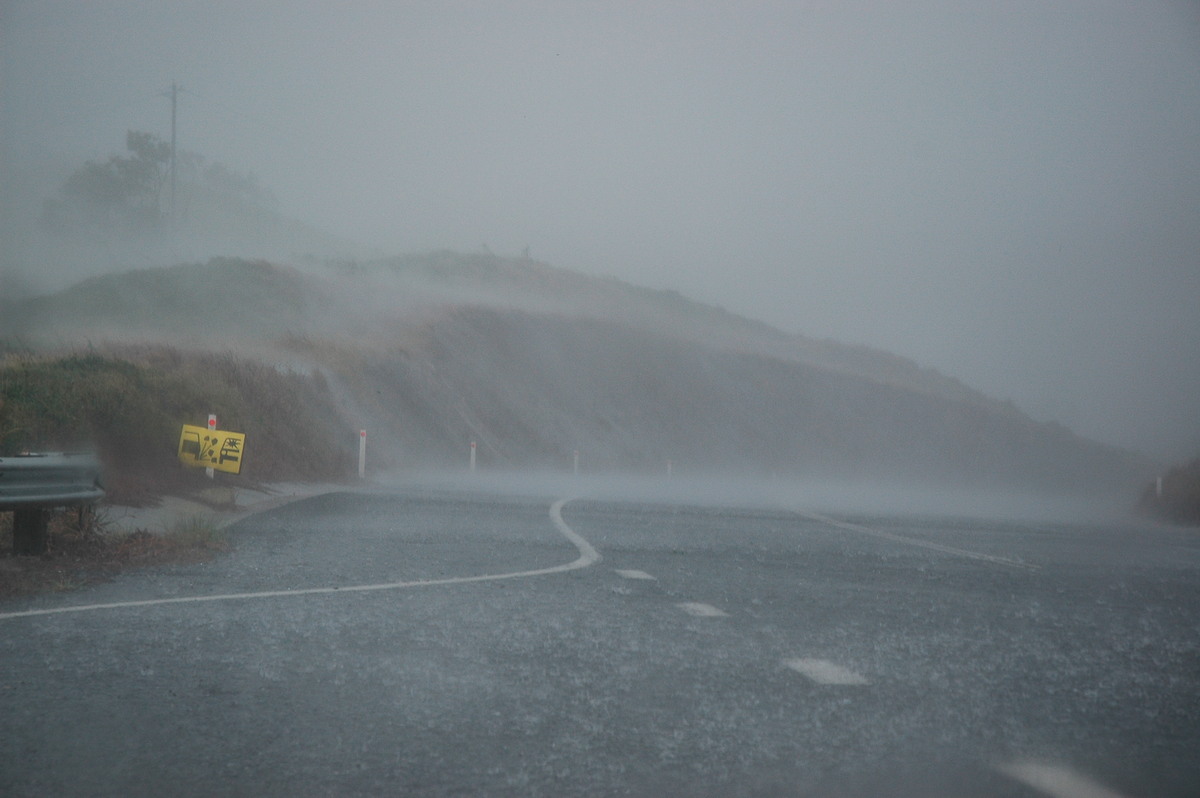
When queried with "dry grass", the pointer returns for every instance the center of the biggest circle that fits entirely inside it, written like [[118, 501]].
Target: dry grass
[[128, 405], [84, 551]]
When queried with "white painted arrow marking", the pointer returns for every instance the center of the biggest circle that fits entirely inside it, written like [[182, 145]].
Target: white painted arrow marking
[[822, 671], [702, 610]]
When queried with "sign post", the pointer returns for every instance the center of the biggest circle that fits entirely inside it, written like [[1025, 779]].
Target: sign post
[[212, 425], [472, 455]]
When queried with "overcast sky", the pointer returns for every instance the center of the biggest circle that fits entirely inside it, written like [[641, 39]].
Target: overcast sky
[[1008, 192]]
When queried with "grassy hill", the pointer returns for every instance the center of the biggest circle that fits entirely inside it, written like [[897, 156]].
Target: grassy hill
[[233, 301], [535, 363]]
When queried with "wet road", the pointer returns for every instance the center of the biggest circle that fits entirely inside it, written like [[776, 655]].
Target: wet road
[[435, 643]]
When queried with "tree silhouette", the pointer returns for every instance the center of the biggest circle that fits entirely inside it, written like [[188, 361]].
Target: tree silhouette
[[119, 195], [122, 198]]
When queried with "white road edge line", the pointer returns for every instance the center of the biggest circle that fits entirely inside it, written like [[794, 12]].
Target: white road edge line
[[701, 610], [822, 671], [972, 555], [634, 574], [587, 556], [1055, 780]]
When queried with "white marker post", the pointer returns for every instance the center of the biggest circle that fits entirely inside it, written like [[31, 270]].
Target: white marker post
[[212, 426], [362, 453], [670, 469], [472, 456], [1158, 488], [576, 462]]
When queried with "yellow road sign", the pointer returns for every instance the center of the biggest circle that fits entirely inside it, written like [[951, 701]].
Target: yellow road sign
[[212, 448]]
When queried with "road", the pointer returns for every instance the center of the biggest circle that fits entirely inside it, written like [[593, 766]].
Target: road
[[424, 642]]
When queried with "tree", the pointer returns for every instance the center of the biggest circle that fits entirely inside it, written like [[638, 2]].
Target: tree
[[121, 198], [120, 195], [243, 188]]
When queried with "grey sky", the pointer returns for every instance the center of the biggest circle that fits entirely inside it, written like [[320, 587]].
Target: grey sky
[[1007, 192]]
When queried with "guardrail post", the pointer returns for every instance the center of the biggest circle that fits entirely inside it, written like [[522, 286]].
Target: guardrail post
[[29, 531], [31, 484]]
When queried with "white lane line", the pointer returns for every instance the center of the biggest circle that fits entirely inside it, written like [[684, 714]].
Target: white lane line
[[702, 610], [866, 530], [633, 574], [587, 556], [1055, 780], [822, 671]]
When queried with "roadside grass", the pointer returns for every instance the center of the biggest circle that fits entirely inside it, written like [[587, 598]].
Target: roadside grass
[[128, 405], [196, 533], [84, 550]]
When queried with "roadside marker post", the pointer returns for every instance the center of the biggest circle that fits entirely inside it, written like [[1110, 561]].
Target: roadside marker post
[[362, 453], [472, 456], [576, 462]]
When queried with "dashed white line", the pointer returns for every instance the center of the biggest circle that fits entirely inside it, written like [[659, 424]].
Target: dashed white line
[[587, 556], [1058, 781], [634, 574], [701, 610], [822, 671]]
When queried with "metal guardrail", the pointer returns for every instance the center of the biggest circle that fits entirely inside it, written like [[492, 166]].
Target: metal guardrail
[[32, 483], [49, 480]]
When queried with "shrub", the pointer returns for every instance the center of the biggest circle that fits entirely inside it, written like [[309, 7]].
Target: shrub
[[129, 405]]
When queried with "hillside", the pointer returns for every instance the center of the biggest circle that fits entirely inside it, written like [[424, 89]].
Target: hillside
[[535, 363], [1176, 497], [233, 301]]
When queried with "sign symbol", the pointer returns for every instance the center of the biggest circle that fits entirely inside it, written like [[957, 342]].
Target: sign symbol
[[212, 448]]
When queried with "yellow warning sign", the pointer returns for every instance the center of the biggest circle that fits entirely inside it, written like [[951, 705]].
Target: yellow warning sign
[[212, 448]]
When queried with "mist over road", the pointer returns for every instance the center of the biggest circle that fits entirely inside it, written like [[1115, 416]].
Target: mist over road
[[504, 645]]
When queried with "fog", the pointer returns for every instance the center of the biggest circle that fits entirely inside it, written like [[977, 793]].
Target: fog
[[1007, 193], [726, 492]]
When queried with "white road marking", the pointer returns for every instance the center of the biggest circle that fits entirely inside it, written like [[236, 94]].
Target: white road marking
[[632, 574], [702, 610], [972, 555], [587, 556], [1055, 780], [822, 671]]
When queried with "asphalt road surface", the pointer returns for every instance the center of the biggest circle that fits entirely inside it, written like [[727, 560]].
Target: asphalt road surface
[[436, 643]]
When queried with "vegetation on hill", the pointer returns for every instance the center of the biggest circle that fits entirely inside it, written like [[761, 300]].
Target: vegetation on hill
[[134, 209], [129, 405], [133, 194]]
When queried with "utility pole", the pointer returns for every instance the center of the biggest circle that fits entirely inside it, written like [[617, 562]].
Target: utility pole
[[174, 94]]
